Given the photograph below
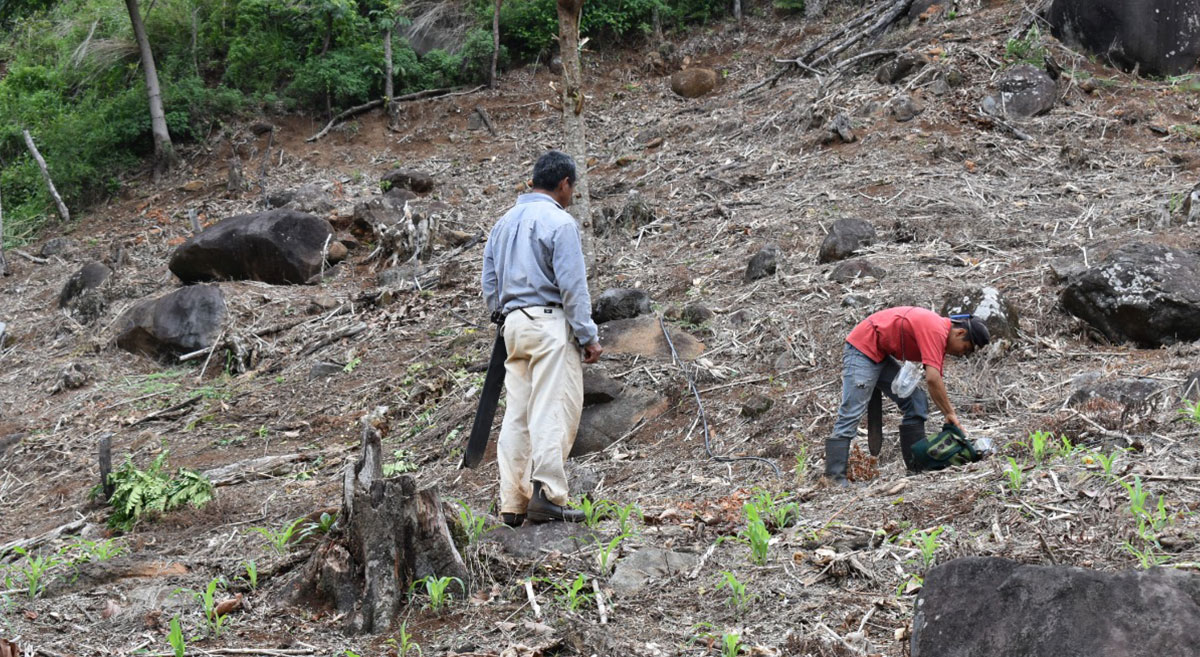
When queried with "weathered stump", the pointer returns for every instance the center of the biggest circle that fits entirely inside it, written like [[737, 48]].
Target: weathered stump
[[390, 535]]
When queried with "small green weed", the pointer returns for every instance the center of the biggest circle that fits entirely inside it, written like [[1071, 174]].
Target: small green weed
[[1028, 50], [1148, 556], [286, 535], [402, 462], [756, 536], [1015, 475], [593, 511], [771, 508], [801, 468], [86, 550], [208, 604], [475, 525], [1105, 462], [35, 569], [738, 598], [435, 588], [1039, 445], [251, 577], [927, 543], [323, 525], [1190, 411], [625, 515], [731, 644], [175, 638], [404, 644], [606, 553], [573, 595]]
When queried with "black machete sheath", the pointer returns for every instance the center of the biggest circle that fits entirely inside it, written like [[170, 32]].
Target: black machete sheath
[[493, 382], [875, 422]]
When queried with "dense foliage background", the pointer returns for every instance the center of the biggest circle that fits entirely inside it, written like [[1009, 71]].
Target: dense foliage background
[[70, 72]]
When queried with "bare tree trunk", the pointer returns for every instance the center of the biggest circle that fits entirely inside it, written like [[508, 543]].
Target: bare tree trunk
[[495, 43], [389, 71], [572, 103], [164, 150], [41, 162], [3, 262], [737, 11]]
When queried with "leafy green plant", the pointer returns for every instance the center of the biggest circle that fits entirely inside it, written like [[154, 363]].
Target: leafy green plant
[[905, 584], [927, 543], [323, 525], [279, 540], [1150, 519], [738, 598], [731, 644], [175, 638], [35, 568], [251, 577], [625, 515], [606, 552], [474, 524], [593, 511], [436, 589], [1105, 462], [573, 594], [1015, 475], [402, 462], [139, 493], [771, 508], [1190, 411], [801, 468], [1027, 50], [1148, 555], [404, 644], [755, 535], [1039, 445], [86, 550], [208, 605]]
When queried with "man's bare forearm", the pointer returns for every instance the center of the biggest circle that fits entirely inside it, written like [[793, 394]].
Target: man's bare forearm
[[937, 392]]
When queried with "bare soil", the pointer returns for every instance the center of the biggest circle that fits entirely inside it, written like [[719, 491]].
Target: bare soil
[[956, 198]]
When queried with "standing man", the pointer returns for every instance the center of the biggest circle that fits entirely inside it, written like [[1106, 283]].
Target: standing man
[[534, 275], [869, 361]]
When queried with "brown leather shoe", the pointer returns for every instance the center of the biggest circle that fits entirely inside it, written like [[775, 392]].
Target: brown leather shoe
[[542, 510]]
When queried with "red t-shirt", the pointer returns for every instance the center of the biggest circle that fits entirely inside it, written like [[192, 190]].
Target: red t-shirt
[[921, 333]]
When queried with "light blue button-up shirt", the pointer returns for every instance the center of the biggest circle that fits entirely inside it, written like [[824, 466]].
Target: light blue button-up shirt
[[534, 257]]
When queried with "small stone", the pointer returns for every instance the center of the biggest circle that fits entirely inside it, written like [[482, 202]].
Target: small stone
[[756, 406], [849, 270], [853, 301], [904, 108], [626, 160], [763, 263], [844, 238], [57, 246], [322, 303], [696, 315], [693, 82], [337, 252], [416, 181], [841, 128], [1023, 91], [323, 369], [654, 143], [901, 67]]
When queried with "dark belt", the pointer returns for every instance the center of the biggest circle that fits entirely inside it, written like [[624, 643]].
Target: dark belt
[[537, 305]]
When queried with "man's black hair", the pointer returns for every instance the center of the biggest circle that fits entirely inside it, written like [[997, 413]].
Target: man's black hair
[[551, 168]]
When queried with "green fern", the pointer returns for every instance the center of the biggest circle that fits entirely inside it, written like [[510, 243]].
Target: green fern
[[138, 493]]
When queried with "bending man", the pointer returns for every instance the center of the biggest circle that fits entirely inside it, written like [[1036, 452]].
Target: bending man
[[869, 361], [534, 274]]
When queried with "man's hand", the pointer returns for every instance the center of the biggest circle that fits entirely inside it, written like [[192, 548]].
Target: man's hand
[[591, 353]]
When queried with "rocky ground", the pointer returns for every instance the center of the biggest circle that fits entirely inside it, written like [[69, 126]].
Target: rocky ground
[[958, 200]]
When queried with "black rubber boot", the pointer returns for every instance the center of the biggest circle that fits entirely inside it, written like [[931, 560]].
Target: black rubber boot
[[513, 519], [837, 452], [910, 434], [542, 510]]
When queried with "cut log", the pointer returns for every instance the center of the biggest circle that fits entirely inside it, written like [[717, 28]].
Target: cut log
[[265, 467], [390, 534]]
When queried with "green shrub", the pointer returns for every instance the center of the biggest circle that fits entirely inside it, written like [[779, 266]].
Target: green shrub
[[346, 76]]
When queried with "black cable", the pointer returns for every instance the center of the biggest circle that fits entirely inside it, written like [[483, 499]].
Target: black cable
[[700, 405]]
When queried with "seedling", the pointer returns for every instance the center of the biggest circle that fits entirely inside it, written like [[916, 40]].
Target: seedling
[[1039, 443], [279, 540], [1148, 557], [738, 598], [251, 577], [1066, 448], [593, 512], [95, 550], [801, 468], [573, 595], [606, 553], [928, 543], [769, 508], [175, 638], [475, 525], [404, 644], [731, 644], [1191, 411], [323, 525], [208, 604], [758, 538], [35, 568], [435, 588], [1015, 475], [1105, 462], [625, 516]]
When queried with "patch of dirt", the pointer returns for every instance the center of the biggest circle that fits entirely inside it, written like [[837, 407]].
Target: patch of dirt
[[956, 200]]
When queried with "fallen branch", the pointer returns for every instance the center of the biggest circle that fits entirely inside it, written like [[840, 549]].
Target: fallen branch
[[487, 120], [30, 258], [167, 411], [359, 109], [37, 157], [264, 467], [348, 332], [41, 539], [889, 17]]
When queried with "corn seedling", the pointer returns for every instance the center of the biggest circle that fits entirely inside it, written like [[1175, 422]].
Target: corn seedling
[[731, 644], [769, 508], [573, 595], [404, 644], [801, 468], [1150, 519], [593, 512], [1039, 445], [86, 550], [606, 553], [1105, 462], [625, 515], [1065, 448], [756, 536], [475, 525], [435, 588], [910, 583], [738, 598], [208, 604], [927, 543], [1191, 411], [175, 638], [279, 540], [251, 577], [35, 569], [1148, 557], [1015, 475]]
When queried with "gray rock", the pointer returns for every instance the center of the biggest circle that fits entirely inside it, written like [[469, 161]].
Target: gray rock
[[696, 315], [901, 67], [1155, 37], [531, 542], [400, 194], [310, 198], [756, 406], [763, 263], [647, 565], [57, 246], [278, 246], [1064, 269], [904, 109], [848, 270], [842, 128], [986, 303], [1144, 293], [620, 303], [1128, 391], [854, 301], [3, 330], [582, 481], [180, 322], [610, 410], [416, 181], [977, 606], [70, 377], [1023, 91], [323, 369], [90, 277], [844, 238]]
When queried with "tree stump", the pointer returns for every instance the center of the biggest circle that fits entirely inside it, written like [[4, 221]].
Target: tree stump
[[389, 535]]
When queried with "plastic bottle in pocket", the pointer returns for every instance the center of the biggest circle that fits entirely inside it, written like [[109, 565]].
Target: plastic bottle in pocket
[[907, 378]]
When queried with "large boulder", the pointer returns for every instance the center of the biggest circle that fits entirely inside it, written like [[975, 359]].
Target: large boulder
[[415, 181], [643, 336], [83, 293], [978, 606], [694, 82], [1145, 293], [1022, 91], [278, 246], [180, 322], [1156, 37], [620, 303], [986, 303], [610, 410], [844, 238], [1127, 391]]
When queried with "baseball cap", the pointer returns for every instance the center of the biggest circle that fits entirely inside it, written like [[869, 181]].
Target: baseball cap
[[977, 331]]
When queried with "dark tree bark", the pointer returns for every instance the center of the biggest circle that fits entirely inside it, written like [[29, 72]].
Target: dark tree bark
[[572, 104], [164, 150]]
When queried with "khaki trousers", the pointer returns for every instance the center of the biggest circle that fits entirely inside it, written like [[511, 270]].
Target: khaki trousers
[[544, 382]]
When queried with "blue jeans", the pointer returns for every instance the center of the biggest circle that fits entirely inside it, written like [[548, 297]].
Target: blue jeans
[[861, 375]]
